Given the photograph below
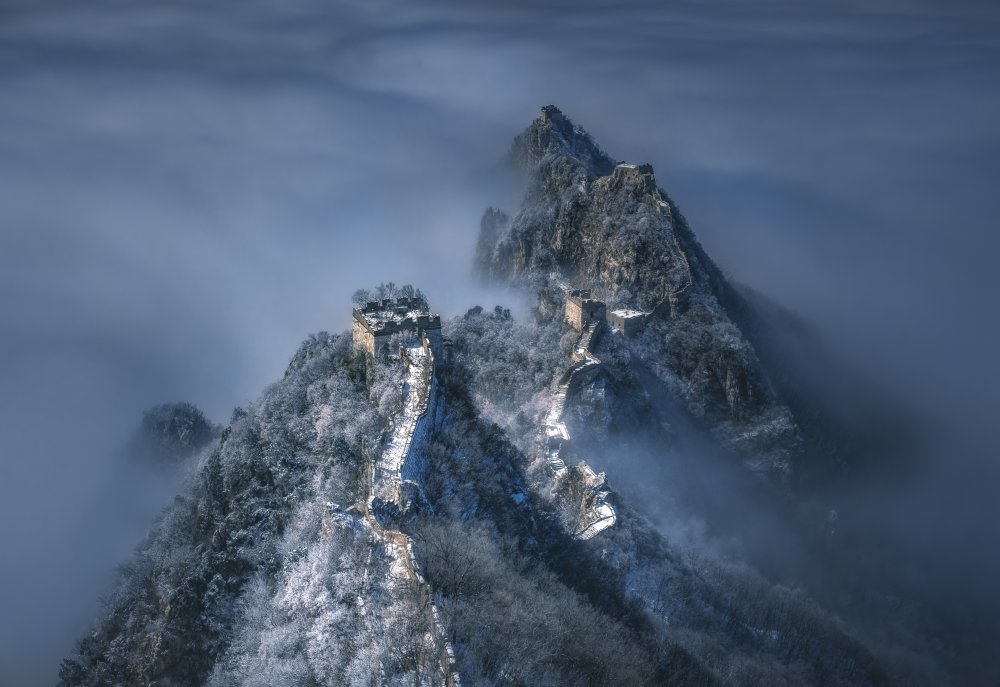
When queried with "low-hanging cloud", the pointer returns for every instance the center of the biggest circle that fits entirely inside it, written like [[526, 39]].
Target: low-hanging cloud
[[187, 189]]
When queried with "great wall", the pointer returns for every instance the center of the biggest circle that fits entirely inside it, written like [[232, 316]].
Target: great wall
[[389, 467], [586, 315], [590, 317], [386, 498]]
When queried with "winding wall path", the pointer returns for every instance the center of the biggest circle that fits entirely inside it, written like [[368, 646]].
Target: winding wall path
[[601, 515], [385, 488]]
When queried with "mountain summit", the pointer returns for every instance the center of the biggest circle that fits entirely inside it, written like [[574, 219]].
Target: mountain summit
[[553, 134]]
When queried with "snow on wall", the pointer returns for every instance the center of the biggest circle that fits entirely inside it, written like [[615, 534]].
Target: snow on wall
[[417, 390], [396, 463], [602, 514]]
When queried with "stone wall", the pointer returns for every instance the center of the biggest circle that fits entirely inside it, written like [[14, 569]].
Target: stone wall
[[574, 313], [628, 322], [581, 309], [364, 340], [369, 337]]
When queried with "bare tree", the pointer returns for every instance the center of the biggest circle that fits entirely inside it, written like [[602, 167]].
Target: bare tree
[[362, 296]]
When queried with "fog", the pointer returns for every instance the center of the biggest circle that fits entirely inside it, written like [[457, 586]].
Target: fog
[[187, 189]]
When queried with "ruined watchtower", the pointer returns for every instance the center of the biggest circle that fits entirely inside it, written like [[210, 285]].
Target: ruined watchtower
[[628, 322], [375, 323], [582, 309]]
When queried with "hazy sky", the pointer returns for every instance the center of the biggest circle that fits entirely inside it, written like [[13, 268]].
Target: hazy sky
[[187, 189]]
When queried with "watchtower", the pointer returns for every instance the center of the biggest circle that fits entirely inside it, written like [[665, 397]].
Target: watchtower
[[582, 309], [628, 322], [377, 321]]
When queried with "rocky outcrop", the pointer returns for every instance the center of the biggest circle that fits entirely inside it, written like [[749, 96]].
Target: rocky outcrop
[[491, 228], [172, 432]]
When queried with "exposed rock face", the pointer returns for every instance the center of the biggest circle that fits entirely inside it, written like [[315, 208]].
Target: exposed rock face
[[492, 226], [554, 134], [610, 228]]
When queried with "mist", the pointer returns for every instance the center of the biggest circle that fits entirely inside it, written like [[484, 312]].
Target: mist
[[188, 189]]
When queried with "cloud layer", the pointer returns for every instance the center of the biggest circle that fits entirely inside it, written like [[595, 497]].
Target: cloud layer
[[189, 188]]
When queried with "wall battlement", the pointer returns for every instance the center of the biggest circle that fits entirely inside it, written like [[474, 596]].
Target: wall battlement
[[377, 321]]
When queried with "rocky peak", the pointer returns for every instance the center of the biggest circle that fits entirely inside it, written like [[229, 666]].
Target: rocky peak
[[603, 224], [608, 227], [553, 135]]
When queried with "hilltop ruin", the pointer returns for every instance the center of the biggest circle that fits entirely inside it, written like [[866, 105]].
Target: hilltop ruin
[[374, 324], [583, 310]]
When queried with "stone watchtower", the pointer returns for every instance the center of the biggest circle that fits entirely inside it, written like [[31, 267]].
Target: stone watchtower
[[628, 322], [582, 309], [374, 324]]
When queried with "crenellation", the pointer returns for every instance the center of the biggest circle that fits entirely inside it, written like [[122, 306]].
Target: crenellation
[[377, 321]]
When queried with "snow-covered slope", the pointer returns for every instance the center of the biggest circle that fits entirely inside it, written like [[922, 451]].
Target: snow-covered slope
[[272, 569]]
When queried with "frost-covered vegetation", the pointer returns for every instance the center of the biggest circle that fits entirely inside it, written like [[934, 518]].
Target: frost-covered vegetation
[[718, 621], [170, 433], [240, 530], [513, 361], [263, 573], [517, 623]]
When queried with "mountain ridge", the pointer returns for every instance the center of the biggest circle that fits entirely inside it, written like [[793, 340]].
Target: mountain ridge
[[407, 508]]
